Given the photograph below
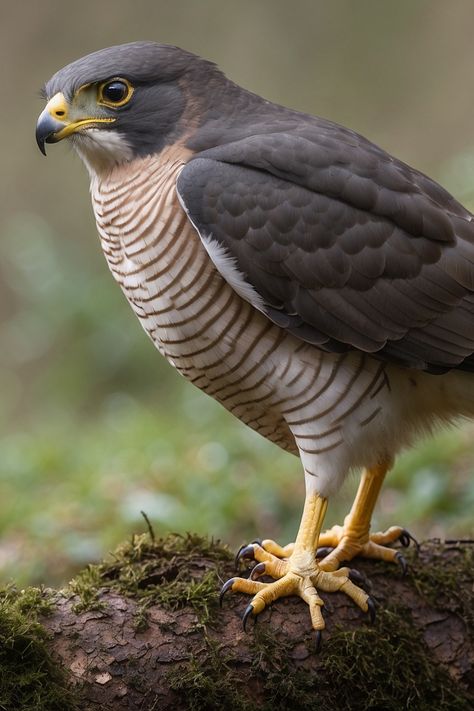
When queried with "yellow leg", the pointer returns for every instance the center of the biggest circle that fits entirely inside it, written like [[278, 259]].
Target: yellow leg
[[299, 574], [353, 537]]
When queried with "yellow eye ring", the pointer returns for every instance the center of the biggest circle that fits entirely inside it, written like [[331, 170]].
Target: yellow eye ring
[[115, 92]]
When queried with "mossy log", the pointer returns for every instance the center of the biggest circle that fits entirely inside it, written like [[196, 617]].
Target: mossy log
[[143, 631]]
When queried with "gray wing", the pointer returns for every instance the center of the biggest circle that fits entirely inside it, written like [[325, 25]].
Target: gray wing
[[340, 244]]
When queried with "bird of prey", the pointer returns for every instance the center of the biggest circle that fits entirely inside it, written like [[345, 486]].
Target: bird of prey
[[317, 287]]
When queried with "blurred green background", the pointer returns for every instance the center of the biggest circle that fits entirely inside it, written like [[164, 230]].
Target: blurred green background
[[94, 425]]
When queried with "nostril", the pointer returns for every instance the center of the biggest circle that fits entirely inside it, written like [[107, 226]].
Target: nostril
[[60, 113]]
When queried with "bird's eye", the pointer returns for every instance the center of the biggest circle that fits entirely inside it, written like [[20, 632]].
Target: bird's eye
[[116, 92]]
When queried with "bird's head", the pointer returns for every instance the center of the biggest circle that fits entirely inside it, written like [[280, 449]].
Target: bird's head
[[123, 102]]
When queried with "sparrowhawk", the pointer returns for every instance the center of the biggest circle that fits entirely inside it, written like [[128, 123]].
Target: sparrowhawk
[[317, 287]]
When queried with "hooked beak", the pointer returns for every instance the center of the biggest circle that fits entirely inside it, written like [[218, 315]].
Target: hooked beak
[[54, 122]]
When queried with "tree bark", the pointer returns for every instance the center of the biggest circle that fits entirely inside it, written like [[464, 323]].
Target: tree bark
[[179, 651]]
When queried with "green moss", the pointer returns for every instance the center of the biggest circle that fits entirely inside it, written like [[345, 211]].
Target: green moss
[[30, 680], [445, 581], [200, 594], [140, 617], [355, 664], [285, 685], [208, 681], [156, 571], [86, 586], [350, 673]]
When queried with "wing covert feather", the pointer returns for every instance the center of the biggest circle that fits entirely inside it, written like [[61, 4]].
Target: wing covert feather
[[347, 247]]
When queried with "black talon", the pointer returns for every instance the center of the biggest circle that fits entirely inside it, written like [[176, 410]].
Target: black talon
[[227, 586], [237, 556], [258, 541], [356, 577], [323, 552], [257, 570], [245, 551], [247, 613], [405, 537], [401, 560], [371, 610], [318, 641]]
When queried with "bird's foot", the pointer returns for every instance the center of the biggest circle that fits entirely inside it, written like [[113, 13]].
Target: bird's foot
[[343, 543], [297, 574]]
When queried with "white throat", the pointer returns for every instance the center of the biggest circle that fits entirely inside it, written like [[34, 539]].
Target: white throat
[[101, 150]]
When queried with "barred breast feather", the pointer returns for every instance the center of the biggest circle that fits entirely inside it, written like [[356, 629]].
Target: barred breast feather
[[332, 408]]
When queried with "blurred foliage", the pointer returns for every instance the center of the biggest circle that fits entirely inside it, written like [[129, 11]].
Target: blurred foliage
[[94, 425]]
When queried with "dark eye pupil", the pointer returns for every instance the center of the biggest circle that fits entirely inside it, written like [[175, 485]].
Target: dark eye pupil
[[115, 91]]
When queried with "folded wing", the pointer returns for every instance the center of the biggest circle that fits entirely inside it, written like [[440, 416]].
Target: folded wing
[[339, 243]]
